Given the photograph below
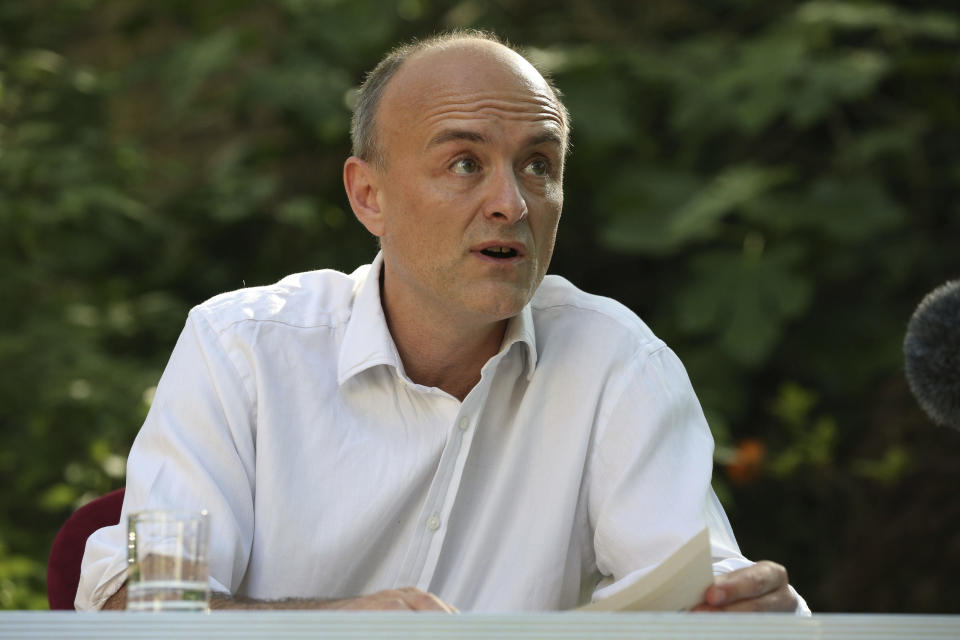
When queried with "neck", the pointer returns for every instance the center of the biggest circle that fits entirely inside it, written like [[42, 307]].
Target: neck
[[441, 351]]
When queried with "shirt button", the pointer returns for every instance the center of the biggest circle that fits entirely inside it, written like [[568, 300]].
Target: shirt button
[[433, 523], [464, 424]]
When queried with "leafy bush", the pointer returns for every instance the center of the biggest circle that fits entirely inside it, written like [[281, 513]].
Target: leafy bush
[[773, 186]]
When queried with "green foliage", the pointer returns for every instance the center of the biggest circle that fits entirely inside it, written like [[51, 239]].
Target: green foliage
[[771, 185]]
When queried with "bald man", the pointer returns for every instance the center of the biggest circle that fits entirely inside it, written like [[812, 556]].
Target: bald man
[[447, 427]]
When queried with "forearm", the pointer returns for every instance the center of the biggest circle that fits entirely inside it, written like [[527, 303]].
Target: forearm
[[118, 602], [224, 601], [403, 599]]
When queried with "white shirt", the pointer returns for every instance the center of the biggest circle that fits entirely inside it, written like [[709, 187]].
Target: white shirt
[[581, 455]]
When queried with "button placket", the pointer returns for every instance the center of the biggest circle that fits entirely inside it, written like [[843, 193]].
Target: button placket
[[443, 506], [420, 562]]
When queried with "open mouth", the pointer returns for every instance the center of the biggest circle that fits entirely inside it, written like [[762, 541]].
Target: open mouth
[[499, 252]]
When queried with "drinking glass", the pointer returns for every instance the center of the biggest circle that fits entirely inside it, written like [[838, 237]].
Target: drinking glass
[[167, 561]]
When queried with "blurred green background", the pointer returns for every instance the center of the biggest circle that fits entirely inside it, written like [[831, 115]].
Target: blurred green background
[[773, 186]]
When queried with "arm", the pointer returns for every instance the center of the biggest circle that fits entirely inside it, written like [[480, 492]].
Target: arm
[[656, 460], [649, 474], [403, 599], [195, 451]]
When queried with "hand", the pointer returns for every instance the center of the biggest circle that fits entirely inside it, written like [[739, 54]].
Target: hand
[[760, 587], [403, 599]]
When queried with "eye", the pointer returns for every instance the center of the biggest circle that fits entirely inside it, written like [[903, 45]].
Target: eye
[[465, 166], [539, 167]]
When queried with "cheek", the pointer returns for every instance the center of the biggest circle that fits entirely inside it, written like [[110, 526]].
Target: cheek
[[423, 231], [550, 217], [546, 231]]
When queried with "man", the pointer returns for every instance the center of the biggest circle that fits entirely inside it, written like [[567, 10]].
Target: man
[[445, 428]]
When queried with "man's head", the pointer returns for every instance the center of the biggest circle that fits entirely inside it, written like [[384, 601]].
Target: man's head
[[461, 145], [363, 126]]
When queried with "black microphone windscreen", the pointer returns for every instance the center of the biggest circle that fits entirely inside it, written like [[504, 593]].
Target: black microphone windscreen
[[931, 352]]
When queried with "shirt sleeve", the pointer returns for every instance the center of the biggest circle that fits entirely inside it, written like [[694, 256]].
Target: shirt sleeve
[[725, 551], [195, 451], [649, 475]]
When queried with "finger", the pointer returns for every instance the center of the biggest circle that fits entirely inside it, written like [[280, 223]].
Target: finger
[[418, 600], [391, 604], [449, 608], [747, 583], [374, 602], [779, 600]]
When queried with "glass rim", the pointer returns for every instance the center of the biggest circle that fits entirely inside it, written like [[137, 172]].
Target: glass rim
[[167, 514]]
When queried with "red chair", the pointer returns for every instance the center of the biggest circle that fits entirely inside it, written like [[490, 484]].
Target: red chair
[[63, 567]]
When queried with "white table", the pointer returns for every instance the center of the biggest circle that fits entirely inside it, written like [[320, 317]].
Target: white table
[[282, 625]]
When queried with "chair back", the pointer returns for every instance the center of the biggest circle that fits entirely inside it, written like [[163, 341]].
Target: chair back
[[63, 567]]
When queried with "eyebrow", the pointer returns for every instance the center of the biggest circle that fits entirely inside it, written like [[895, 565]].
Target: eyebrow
[[548, 137], [451, 135]]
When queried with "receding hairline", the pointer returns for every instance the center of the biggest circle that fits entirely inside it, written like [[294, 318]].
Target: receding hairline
[[365, 137]]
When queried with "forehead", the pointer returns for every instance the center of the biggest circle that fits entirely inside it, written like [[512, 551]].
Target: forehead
[[472, 84]]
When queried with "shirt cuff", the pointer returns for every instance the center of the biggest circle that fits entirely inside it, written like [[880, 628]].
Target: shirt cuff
[[86, 600]]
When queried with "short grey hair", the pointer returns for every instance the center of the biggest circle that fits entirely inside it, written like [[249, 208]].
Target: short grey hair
[[363, 126]]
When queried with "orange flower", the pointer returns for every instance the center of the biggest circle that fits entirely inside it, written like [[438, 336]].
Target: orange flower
[[747, 461]]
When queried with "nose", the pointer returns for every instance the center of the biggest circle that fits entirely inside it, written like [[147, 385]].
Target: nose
[[505, 201]]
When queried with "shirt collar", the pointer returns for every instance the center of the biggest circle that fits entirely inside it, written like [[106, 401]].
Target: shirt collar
[[520, 329], [367, 341]]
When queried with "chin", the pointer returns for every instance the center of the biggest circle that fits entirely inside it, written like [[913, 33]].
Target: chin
[[500, 302]]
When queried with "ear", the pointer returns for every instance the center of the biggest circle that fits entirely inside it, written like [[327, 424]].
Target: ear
[[362, 182]]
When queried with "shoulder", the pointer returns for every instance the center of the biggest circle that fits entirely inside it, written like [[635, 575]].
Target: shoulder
[[301, 300], [562, 312]]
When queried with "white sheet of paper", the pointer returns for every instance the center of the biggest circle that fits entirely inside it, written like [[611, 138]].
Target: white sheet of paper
[[677, 584]]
